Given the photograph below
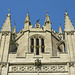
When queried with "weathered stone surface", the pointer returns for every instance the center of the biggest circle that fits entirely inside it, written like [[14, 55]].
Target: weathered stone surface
[[25, 53]]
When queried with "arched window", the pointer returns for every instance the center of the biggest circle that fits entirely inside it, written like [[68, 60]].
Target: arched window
[[37, 42], [42, 42], [32, 45], [37, 51], [37, 45], [32, 42], [42, 45]]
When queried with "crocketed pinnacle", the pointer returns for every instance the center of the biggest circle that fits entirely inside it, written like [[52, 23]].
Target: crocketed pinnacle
[[7, 24], [47, 19], [47, 24], [60, 30], [27, 23], [14, 29], [27, 18], [68, 25]]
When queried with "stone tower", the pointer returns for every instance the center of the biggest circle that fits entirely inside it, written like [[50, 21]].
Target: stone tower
[[38, 50]]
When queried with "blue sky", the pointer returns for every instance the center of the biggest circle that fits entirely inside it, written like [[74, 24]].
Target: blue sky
[[55, 8]]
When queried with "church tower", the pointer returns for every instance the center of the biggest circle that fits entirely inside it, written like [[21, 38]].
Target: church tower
[[37, 50]]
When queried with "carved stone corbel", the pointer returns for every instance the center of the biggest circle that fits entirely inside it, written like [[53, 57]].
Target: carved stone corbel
[[37, 63]]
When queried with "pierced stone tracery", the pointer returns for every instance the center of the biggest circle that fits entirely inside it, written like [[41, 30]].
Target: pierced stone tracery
[[43, 68]]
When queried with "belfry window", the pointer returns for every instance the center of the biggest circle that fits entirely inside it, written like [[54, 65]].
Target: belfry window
[[37, 45], [32, 42], [37, 51], [42, 42], [32, 45], [37, 42], [42, 45]]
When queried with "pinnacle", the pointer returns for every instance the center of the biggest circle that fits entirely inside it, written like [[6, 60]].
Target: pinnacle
[[47, 19], [60, 30], [7, 24], [27, 18], [68, 25], [14, 29]]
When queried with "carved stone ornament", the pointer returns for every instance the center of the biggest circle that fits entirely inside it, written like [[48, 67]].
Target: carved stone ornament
[[5, 33], [4, 65], [70, 33], [71, 64], [37, 62], [33, 68]]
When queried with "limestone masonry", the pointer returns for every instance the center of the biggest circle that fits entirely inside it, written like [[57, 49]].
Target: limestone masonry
[[38, 50]]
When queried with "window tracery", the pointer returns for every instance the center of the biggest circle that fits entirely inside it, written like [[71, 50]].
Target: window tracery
[[37, 45]]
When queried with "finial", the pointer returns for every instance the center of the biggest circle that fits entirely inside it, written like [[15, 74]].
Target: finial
[[46, 11], [65, 10], [38, 20], [66, 14], [8, 15], [9, 10], [28, 11]]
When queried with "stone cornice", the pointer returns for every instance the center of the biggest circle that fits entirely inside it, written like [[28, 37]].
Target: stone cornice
[[70, 32], [5, 32], [51, 63]]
